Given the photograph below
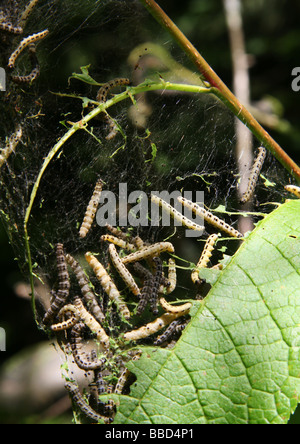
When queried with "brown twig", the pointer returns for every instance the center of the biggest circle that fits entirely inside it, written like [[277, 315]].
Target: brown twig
[[221, 90]]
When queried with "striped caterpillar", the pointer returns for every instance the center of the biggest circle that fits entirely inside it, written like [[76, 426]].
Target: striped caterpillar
[[119, 242], [24, 43], [102, 97], [204, 258], [293, 189], [83, 406], [11, 145], [91, 323], [91, 210], [175, 327], [148, 278], [63, 285], [210, 218], [68, 323], [157, 279], [8, 27], [254, 175], [25, 14], [83, 361], [29, 78], [107, 284], [149, 251], [122, 270], [124, 376], [176, 214], [89, 297], [172, 278]]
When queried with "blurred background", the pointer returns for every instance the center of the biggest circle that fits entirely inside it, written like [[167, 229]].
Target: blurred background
[[271, 30]]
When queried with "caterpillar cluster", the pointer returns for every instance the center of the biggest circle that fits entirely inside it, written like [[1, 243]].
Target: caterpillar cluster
[[27, 42], [75, 319]]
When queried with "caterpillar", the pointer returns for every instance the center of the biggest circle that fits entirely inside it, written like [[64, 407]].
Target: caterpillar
[[153, 327], [29, 78], [210, 218], [148, 278], [25, 14], [119, 242], [149, 251], [11, 145], [24, 43], [102, 97], [157, 279], [107, 284], [8, 27], [82, 405], [86, 291], [91, 323], [82, 360], [204, 258], [175, 309], [175, 327], [122, 270], [176, 214], [117, 232], [68, 323], [172, 277], [124, 376], [293, 189], [91, 210], [254, 175], [62, 293], [104, 90]]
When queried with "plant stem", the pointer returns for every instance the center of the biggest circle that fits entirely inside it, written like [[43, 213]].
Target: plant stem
[[221, 90]]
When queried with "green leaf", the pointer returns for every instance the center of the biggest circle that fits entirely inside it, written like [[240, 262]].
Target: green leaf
[[238, 359]]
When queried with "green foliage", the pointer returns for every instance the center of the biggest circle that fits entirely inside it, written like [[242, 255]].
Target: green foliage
[[238, 359]]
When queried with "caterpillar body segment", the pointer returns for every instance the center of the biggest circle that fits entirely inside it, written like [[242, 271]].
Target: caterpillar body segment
[[107, 284], [123, 272], [105, 89], [176, 214], [11, 145], [81, 358], [153, 327], [254, 175], [175, 327], [293, 189], [157, 279], [210, 218], [91, 323], [148, 279], [175, 309], [119, 242], [86, 291], [149, 251], [24, 43], [8, 27], [67, 323], [62, 293], [91, 210], [171, 282], [82, 404], [204, 258]]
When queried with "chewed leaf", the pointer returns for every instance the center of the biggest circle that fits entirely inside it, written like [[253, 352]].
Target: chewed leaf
[[84, 76], [237, 361]]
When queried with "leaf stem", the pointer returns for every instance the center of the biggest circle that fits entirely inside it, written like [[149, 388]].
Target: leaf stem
[[221, 90]]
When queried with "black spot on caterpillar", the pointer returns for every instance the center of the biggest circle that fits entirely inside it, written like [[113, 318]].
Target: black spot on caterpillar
[[84, 361], [254, 175], [155, 285], [148, 279], [8, 27], [122, 270], [149, 251], [204, 258], [293, 189], [175, 327]]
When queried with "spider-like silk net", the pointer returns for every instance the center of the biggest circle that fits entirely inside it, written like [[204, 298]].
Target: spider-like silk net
[[182, 142]]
